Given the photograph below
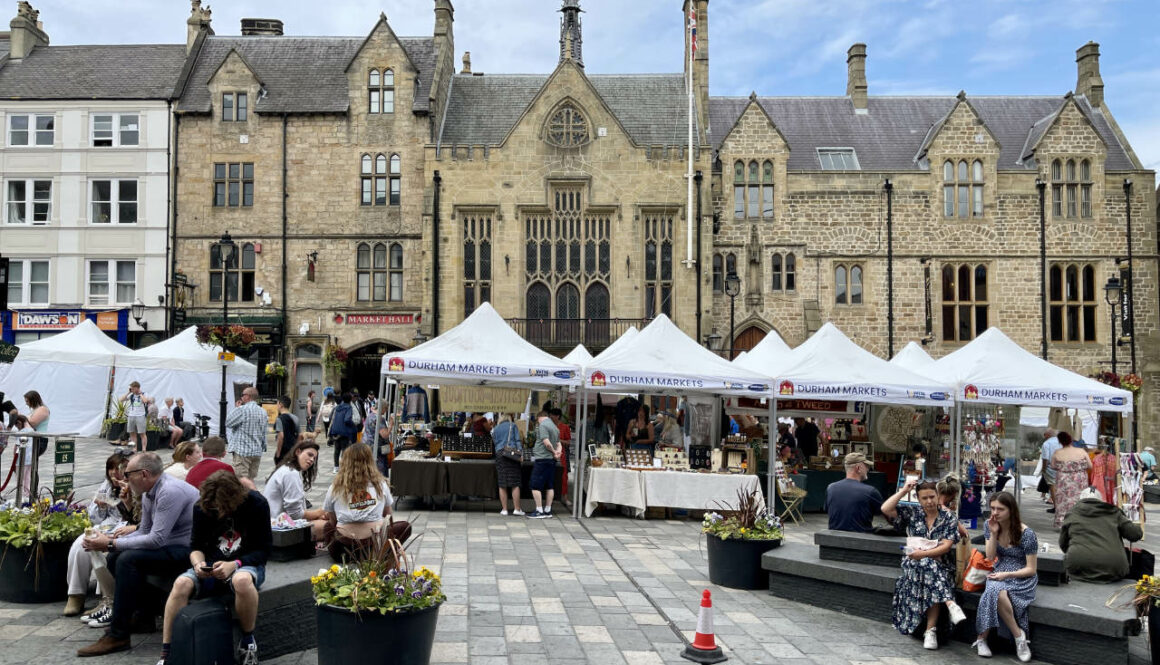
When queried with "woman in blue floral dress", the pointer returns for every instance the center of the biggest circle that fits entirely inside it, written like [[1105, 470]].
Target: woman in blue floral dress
[[1011, 587], [927, 581]]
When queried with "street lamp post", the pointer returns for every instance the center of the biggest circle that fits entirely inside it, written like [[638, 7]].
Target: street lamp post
[[226, 249], [1112, 297], [732, 289]]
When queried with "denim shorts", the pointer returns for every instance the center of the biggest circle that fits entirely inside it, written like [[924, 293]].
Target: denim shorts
[[212, 586]]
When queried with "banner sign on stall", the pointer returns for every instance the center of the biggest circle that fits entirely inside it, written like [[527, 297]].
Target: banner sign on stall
[[476, 399], [650, 382]]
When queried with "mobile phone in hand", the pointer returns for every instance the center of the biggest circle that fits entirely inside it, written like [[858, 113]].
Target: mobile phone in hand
[[207, 568]]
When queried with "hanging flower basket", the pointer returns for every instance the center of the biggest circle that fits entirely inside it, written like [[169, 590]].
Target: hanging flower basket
[[1132, 382], [276, 369], [232, 337], [335, 358], [1110, 378]]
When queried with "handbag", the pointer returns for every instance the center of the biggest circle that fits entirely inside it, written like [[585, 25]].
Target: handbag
[[975, 574], [511, 451], [1141, 562]]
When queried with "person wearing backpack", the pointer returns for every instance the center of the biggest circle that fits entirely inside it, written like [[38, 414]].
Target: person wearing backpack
[[286, 428], [342, 428]]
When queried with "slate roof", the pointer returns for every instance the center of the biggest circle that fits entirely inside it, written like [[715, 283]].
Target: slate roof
[[300, 74], [93, 72], [653, 108], [890, 136]]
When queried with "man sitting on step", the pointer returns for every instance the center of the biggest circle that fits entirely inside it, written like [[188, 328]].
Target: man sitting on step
[[850, 502]]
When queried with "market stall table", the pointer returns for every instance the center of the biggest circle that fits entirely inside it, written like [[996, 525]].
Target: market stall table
[[618, 486], [697, 491], [418, 477], [475, 477]]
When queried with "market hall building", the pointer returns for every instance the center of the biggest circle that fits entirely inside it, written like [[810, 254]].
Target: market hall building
[[375, 196]]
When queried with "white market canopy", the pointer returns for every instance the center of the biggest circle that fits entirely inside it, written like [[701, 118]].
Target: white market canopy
[[181, 367], [830, 366], [482, 350], [914, 358], [578, 356], [625, 338], [663, 359], [71, 373], [993, 369]]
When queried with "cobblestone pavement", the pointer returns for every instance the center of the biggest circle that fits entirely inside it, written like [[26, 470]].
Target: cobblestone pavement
[[607, 590]]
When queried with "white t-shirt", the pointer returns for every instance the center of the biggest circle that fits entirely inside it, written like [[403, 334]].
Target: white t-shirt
[[164, 413], [285, 494], [135, 405], [366, 507]]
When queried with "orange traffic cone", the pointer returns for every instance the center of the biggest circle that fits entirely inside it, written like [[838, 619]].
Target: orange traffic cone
[[704, 648]]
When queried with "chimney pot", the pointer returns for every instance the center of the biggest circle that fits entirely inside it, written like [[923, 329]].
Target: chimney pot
[[25, 32], [856, 86], [466, 62], [267, 27]]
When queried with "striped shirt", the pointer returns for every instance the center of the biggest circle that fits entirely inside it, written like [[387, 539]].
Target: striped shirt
[[246, 430]]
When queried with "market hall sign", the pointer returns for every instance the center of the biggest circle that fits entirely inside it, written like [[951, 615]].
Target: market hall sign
[[375, 319]]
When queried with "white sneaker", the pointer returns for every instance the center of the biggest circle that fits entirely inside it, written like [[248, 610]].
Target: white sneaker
[[503, 512], [956, 613], [1023, 648], [518, 513], [335, 472], [89, 616], [930, 640], [984, 651]]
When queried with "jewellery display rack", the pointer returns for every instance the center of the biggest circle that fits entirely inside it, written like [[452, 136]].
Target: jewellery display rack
[[467, 446], [675, 460], [700, 457], [638, 459]]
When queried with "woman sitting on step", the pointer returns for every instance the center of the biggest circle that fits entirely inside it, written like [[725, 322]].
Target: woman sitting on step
[[927, 581]]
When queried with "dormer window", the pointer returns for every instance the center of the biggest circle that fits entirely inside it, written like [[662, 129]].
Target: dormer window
[[235, 106], [381, 91], [567, 127]]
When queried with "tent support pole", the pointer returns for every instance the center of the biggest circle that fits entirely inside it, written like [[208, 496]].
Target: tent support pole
[[577, 509], [770, 495]]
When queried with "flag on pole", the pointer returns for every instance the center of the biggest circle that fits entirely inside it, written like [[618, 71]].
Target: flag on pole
[[693, 29]]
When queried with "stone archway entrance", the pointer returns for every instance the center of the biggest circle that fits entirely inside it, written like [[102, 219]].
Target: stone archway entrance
[[749, 338], [364, 367]]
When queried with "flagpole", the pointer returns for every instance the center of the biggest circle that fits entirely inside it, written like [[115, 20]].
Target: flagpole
[[690, 31]]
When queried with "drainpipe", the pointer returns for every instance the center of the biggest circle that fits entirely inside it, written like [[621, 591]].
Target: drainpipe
[[697, 180], [1131, 279], [889, 268], [285, 225], [1042, 187], [435, 258], [172, 122]]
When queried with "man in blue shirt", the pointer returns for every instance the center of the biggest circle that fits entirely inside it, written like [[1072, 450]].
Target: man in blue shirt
[[850, 502], [1050, 445]]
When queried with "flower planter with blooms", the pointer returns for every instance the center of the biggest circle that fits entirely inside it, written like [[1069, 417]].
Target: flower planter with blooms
[[231, 337], [36, 538], [1132, 382], [335, 358], [1146, 602], [276, 369], [379, 593], [1110, 378], [737, 538]]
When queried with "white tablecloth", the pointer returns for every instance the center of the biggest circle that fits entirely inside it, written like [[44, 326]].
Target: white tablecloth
[[697, 491], [619, 486]]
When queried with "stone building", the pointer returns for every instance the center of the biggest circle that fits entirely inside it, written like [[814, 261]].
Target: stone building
[[375, 197]]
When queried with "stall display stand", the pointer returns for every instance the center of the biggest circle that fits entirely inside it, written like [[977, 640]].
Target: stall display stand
[[1130, 492]]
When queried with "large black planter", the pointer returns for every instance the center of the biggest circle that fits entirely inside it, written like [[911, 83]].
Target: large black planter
[[115, 431], [153, 440], [25, 579], [1154, 632], [736, 563], [370, 638]]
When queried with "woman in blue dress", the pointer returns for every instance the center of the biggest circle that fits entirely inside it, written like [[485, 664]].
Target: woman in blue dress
[[927, 579], [1011, 587]]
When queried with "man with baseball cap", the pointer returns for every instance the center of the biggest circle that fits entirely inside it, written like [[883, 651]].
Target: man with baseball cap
[[850, 502]]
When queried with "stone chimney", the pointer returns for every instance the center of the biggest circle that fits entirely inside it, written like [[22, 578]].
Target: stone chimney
[[199, 20], [261, 27], [1088, 82], [26, 32], [466, 62], [571, 44], [444, 18], [856, 86]]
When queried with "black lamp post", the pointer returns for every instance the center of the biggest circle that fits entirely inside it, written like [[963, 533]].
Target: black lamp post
[[226, 249], [1111, 295], [732, 289], [713, 341]]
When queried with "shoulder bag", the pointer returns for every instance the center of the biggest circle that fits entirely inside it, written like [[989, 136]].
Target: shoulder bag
[[512, 450]]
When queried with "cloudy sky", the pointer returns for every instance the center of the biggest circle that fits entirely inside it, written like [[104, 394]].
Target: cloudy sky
[[775, 47]]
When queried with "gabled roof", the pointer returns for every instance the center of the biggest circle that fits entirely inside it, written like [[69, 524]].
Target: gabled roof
[[482, 110], [1040, 129], [93, 72], [892, 133], [300, 74], [961, 98], [753, 102]]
